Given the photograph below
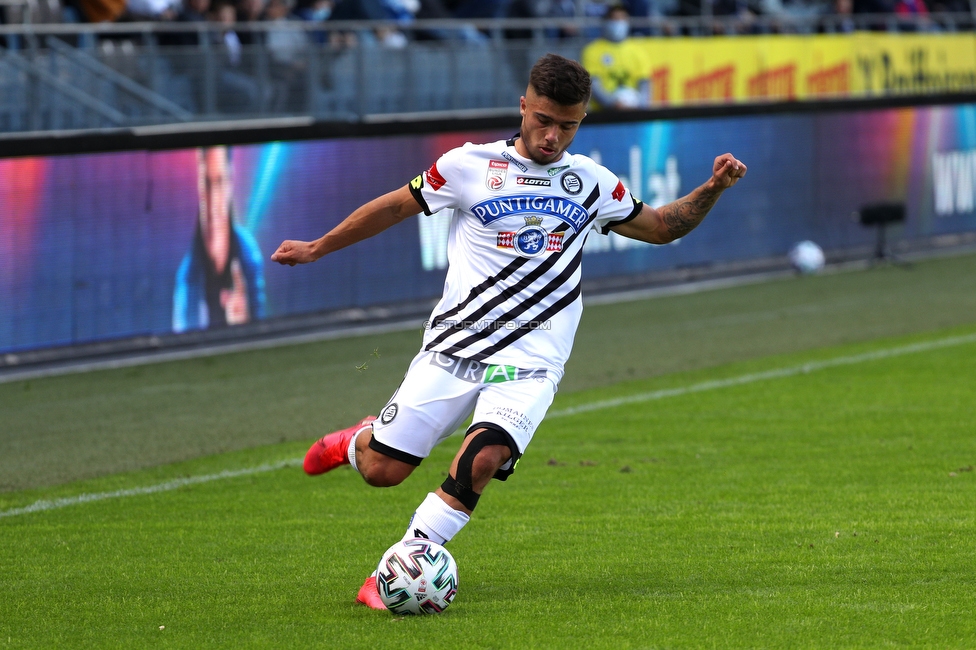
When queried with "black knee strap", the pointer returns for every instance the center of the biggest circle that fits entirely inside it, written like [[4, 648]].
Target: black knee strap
[[501, 437], [464, 494], [460, 486]]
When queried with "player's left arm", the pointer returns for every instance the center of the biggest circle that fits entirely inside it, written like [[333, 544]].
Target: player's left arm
[[678, 218]]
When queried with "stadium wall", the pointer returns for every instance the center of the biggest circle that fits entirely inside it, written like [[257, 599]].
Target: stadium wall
[[91, 243], [808, 67]]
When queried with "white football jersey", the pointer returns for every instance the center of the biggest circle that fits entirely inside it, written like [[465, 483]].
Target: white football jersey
[[512, 295]]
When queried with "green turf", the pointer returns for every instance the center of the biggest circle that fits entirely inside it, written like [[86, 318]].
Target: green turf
[[826, 509], [74, 427]]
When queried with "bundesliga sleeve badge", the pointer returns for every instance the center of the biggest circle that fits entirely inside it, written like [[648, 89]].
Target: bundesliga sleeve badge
[[497, 173]]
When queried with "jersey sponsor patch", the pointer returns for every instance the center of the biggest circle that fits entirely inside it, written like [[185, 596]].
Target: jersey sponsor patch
[[531, 241], [476, 372], [434, 178], [533, 181], [574, 214], [555, 170], [497, 173], [510, 158], [619, 191]]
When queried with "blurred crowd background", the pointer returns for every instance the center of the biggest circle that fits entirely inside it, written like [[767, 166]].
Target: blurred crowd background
[[397, 16]]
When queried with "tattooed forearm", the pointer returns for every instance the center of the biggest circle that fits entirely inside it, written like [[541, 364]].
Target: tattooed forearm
[[684, 215]]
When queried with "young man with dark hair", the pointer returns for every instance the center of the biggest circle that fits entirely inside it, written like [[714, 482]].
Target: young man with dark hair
[[498, 340], [220, 280]]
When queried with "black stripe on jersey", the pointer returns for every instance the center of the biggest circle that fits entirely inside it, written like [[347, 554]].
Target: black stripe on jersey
[[638, 206], [591, 199], [501, 297], [513, 266], [513, 290], [476, 291], [551, 311], [519, 309]]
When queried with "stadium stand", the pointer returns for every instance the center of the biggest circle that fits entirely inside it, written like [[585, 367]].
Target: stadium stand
[[218, 61]]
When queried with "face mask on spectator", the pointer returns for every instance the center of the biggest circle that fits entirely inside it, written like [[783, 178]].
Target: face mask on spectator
[[616, 30]]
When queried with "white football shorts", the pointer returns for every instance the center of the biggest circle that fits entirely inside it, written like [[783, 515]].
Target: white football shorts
[[439, 392]]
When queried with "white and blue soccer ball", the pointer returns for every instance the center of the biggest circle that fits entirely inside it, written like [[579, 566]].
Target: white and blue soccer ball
[[417, 576], [806, 257]]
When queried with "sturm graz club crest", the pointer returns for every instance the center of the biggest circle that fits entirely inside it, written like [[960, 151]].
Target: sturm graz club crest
[[572, 183], [531, 240], [389, 413]]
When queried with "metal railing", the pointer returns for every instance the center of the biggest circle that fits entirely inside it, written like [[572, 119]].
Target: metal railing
[[84, 76]]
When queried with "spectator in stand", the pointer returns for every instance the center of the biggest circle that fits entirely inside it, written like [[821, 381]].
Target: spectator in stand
[[839, 18], [540, 9], [520, 59], [314, 11], [477, 8], [437, 10], [911, 8], [367, 10], [951, 6], [643, 9], [236, 91], [193, 11], [915, 15], [250, 11], [358, 10], [140, 10], [878, 8], [619, 72], [738, 9], [98, 11], [288, 50]]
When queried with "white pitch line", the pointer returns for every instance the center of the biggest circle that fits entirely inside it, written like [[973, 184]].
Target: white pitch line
[[769, 374], [40, 506]]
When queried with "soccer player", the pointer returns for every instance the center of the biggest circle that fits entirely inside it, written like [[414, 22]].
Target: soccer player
[[498, 340]]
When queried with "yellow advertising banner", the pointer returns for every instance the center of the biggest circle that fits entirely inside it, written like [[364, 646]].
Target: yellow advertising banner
[[785, 68]]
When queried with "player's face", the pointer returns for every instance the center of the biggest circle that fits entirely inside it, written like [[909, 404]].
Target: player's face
[[548, 128], [214, 188]]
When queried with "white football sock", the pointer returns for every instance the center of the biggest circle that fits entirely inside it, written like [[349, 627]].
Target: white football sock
[[436, 521], [351, 452]]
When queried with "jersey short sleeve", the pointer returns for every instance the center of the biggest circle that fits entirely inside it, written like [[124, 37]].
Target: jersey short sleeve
[[617, 204], [440, 186]]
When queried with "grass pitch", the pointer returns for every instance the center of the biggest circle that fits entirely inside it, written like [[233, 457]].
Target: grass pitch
[[829, 508]]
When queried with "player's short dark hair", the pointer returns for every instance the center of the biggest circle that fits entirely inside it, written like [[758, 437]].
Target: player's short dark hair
[[562, 80]]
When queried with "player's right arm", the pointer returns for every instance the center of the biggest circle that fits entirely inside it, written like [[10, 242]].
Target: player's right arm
[[366, 221]]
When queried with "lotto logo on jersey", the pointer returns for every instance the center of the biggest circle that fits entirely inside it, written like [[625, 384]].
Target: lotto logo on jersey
[[533, 181], [497, 173], [434, 178]]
